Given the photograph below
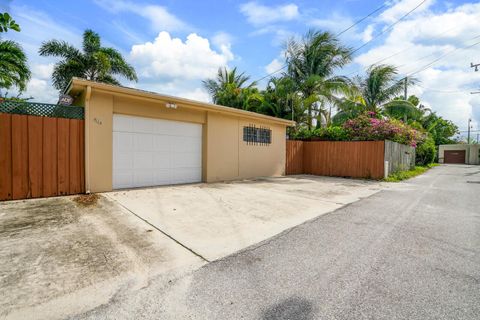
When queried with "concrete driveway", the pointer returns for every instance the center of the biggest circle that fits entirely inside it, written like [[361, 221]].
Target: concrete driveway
[[215, 220], [59, 258]]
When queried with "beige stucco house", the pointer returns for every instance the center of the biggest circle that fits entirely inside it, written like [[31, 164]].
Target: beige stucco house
[[135, 138]]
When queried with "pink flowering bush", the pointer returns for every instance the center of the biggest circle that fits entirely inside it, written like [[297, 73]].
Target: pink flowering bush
[[369, 127]]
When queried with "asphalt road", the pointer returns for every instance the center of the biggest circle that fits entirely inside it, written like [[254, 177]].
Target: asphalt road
[[409, 252]]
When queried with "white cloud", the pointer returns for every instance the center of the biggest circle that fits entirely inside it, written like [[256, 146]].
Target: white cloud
[[172, 66], [258, 14], [168, 57], [367, 33], [160, 18], [42, 71], [274, 66], [41, 91], [419, 40], [223, 41], [197, 94], [400, 7]]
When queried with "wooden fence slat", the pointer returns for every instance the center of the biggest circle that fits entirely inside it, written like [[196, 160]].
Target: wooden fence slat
[[63, 156], [20, 179], [294, 157], [35, 155], [50, 187], [6, 191], [74, 156]]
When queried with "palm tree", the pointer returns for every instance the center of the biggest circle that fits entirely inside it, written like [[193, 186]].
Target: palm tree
[[281, 100], [94, 62], [311, 63], [13, 66], [14, 71], [377, 92], [229, 89]]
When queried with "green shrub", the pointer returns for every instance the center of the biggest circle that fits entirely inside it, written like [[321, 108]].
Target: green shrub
[[425, 152], [331, 134], [326, 134]]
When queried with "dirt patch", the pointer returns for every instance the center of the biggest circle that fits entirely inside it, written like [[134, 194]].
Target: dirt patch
[[87, 200]]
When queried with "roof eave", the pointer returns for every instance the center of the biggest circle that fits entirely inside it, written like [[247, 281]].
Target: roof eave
[[186, 102]]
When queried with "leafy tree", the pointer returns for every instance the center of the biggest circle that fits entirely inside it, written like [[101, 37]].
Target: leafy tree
[[230, 89], [94, 62], [311, 64], [441, 130], [14, 71]]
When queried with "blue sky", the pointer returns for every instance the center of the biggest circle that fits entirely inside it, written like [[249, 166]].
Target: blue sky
[[175, 44]]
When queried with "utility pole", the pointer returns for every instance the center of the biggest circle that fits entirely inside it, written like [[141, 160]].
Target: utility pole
[[468, 135], [405, 97]]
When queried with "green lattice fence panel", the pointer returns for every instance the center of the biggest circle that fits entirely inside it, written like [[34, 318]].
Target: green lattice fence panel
[[41, 109]]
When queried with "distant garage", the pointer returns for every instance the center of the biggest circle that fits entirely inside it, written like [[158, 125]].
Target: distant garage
[[459, 153], [136, 138], [454, 156]]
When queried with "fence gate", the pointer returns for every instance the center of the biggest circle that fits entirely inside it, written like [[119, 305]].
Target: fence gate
[[41, 150]]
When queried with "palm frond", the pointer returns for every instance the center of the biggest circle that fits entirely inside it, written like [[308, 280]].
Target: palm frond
[[14, 69]]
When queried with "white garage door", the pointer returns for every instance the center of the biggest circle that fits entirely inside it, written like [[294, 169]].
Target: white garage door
[[152, 152]]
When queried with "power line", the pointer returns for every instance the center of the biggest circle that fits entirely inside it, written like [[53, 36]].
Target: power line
[[406, 49], [361, 20], [338, 34], [389, 27], [443, 56]]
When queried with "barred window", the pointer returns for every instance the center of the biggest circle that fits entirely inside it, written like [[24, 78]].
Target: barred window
[[257, 136]]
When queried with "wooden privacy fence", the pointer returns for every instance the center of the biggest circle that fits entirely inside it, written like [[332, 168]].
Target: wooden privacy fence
[[356, 159], [40, 156]]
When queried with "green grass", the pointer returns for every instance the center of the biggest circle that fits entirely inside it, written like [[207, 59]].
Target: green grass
[[404, 175]]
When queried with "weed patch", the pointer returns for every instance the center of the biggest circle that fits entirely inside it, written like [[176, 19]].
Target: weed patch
[[404, 175], [87, 199]]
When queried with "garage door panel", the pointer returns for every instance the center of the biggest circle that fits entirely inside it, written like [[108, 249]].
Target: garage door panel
[[143, 160], [186, 160], [187, 144], [122, 141], [124, 161], [454, 156], [163, 176], [143, 178], [149, 152], [162, 161], [162, 143], [143, 142], [123, 179], [143, 125], [123, 123], [184, 175]]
